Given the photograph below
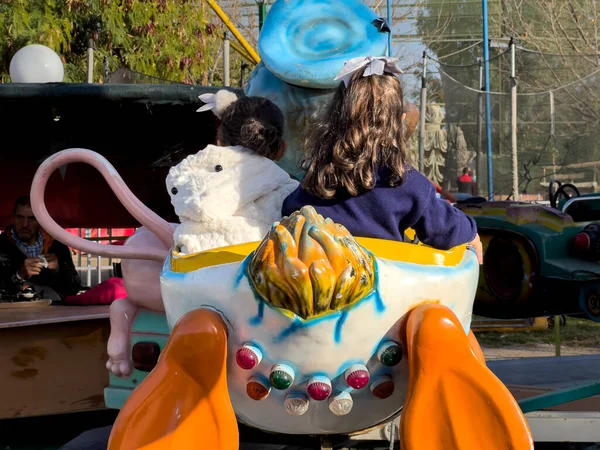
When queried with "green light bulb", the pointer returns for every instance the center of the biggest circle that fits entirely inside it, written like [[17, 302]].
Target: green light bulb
[[390, 354], [281, 377]]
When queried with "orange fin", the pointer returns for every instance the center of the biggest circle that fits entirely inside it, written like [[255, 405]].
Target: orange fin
[[453, 401], [184, 402]]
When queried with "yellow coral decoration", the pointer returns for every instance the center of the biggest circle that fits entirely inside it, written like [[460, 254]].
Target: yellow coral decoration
[[310, 266]]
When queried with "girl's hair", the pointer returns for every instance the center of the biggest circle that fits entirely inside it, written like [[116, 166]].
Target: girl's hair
[[255, 123], [360, 132]]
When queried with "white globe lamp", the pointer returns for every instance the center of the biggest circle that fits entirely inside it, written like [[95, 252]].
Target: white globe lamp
[[36, 64]]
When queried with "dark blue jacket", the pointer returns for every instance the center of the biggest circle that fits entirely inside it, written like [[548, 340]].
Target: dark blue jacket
[[385, 212]]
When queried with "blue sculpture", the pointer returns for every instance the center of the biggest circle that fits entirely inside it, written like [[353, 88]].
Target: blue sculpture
[[303, 45], [306, 42]]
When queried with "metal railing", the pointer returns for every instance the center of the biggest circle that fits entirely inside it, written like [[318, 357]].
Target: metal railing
[[88, 264]]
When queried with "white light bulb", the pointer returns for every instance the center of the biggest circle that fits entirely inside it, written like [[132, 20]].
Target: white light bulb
[[341, 403], [296, 404], [36, 64]]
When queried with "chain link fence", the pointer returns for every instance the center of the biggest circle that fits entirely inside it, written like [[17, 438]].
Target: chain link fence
[[557, 123]]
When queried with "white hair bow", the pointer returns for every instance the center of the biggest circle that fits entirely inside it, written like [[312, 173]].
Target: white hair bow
[[218, 102], [375, 65]]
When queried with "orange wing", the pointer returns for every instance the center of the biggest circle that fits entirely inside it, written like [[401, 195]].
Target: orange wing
[[184, 402], [454, 402]]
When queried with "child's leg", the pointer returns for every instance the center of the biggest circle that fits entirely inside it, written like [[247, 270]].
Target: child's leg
[[122, 314]]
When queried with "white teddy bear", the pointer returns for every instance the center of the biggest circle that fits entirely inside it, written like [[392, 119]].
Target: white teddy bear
[[225, 196]]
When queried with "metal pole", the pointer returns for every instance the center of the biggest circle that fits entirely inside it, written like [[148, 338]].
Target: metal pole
[[226, 59], [243, 74], [422, 111], [99, 267], [552, 119], [105, 69], [513, 121], [90, 61], [262, 13], [217, 9], [79, 266], [390, 34], [488, 106], [240, 51], [478, 169]]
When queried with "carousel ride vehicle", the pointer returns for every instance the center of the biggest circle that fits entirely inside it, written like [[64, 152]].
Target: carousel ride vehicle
[[312, 332], [539, 260]]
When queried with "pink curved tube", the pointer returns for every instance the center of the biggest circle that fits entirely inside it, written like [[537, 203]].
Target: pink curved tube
[[148, 218]]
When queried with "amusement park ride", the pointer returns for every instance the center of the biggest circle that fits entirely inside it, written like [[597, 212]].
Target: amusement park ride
[[313, 331], [539, 260]]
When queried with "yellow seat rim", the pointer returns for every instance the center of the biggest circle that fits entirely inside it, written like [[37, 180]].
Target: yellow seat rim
[[381, 248]]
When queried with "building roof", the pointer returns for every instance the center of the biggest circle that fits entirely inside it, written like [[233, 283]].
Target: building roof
[[141, 129]]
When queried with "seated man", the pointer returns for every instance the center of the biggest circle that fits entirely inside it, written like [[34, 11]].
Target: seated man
[[30, 257]]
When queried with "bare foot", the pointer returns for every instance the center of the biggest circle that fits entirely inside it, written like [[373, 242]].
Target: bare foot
[[122, 313]]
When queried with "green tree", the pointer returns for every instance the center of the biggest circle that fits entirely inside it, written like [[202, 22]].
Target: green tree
[[25, 22], [176, 40]]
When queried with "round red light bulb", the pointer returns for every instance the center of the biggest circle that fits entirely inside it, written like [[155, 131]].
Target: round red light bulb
[[248, 357], [357, 376], [319, 388], [382, 387]]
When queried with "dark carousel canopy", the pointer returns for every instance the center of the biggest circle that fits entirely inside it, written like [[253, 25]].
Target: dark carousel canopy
[[142, 129]]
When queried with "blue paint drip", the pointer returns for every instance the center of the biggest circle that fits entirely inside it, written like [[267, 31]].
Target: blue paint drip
[[293, 328], [299, 324], [243, 270], [379, 306], [337, 337], [254, 321], [340, 316]]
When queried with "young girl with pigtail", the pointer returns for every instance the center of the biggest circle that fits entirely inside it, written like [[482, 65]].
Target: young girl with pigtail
[[232, 192]]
